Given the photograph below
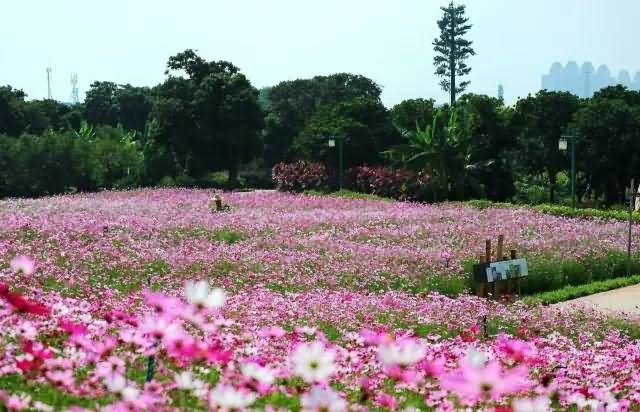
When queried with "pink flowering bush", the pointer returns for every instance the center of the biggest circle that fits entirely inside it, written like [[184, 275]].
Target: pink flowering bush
[[382, 181], [146, 300], [300, 176]]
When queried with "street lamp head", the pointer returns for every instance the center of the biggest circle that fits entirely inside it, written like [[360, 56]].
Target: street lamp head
[[563, 144], [332, 142]]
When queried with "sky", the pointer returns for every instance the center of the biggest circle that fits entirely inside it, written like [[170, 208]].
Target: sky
[[129, 41]]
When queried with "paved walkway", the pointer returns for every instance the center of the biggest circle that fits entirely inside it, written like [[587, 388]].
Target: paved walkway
[[624, 299]]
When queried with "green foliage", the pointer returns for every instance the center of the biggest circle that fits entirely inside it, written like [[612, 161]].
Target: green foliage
[[547, 274], [348, 194], [559, 210], [574, 292], [540, 121], [544, 274], [627, 327], [413, 113], [60, 400], [58, 162], [291, 104], [209, 120], [364, 125]]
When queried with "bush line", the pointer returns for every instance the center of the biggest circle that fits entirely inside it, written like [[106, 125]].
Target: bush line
[[557, 210], [574, 292]]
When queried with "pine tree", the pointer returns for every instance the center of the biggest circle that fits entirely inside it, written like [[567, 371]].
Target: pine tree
[[452, 50]]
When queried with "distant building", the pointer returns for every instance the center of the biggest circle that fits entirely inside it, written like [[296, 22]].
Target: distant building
[[583, 81]]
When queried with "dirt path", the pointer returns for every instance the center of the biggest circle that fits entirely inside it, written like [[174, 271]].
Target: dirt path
[[624, 299]]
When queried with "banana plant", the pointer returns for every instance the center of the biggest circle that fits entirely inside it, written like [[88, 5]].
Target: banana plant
[[85, 132], [440, 152]]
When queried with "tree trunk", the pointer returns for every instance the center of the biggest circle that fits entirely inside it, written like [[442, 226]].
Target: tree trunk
[[552, 187], [233, 174]]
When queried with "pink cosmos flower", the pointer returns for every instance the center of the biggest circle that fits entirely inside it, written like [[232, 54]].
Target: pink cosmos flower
[[23, 264], [386, 401], [274, 332], [110, 367], [374, 338], [17, 402], [474, 381], [516, 349]]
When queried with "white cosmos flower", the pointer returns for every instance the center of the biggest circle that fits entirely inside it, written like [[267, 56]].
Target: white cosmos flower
[[227, 397], [404, 352], [130, 393], [475, 358], [313, 362], [115, 383], [201, 295], [184, 380], [539, 404], [261, 374], [322, 399]]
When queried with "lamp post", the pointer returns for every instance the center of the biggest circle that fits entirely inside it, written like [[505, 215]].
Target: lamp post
[[332, 143], [562, 145]]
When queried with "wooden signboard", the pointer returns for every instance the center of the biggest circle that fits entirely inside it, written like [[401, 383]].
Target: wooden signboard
[[500, 275]]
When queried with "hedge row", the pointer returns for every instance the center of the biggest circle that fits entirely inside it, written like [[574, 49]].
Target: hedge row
[[574, 292], [558, 210], [549, 274]]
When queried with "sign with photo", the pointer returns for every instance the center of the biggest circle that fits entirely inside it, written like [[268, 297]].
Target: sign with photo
[[498, 271]]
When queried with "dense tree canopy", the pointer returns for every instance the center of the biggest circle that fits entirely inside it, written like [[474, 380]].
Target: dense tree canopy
[[211, 119], [541, 120], [291, 104], [206, 119], [363, 123]]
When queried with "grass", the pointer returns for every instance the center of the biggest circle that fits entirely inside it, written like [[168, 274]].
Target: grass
[[574, 292], [16, 384], [348, 194]]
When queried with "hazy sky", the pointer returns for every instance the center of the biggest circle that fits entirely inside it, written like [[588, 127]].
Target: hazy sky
[[129, 41]]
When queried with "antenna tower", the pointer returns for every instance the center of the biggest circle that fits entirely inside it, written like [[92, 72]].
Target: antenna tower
[[49, 83], [74, 88]]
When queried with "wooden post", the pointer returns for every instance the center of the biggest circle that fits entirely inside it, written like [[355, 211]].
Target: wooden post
[[481, 289], [500, 287], [487, 253], [517, 280], [500, 247]]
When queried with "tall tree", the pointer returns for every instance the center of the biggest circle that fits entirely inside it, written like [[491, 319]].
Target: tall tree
[[211, 119], [363, 123], [413, 112], [12, 116], [608, 132], [452, 50], [291, 104], [541, 120]]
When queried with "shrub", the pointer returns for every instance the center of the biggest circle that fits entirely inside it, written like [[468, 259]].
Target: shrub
[[573, 292], [402, 184], [559, 210], [575, 273], [300, 176], [544, 274]]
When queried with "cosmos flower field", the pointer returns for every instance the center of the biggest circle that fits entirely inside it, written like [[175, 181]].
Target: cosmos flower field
[[147, 300]]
